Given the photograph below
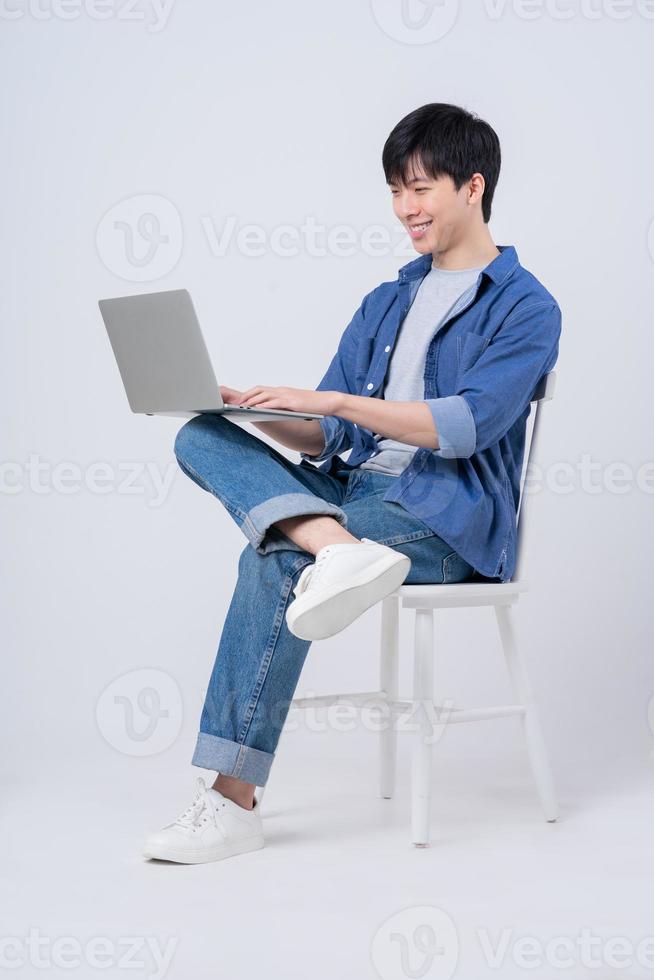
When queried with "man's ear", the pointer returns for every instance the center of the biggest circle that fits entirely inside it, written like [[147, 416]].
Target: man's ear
[[476, 187]]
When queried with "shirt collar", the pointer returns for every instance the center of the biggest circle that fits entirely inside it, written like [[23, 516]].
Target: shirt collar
[[498, 270]]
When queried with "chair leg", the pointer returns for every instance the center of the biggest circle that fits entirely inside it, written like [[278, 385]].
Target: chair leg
[[423, 691], [536, 748], [388, 675]]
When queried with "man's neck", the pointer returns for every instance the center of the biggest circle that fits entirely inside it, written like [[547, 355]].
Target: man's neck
[[474, 252]]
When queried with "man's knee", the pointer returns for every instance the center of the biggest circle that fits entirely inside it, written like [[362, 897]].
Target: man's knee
[[185, 438], [193, 434]]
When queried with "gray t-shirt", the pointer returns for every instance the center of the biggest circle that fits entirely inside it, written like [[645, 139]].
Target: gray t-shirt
[[438, 292]]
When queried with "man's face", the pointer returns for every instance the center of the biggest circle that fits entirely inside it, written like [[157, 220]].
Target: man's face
[[435, 203]]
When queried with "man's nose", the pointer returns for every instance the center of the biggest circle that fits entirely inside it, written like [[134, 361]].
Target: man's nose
[[407, 206]]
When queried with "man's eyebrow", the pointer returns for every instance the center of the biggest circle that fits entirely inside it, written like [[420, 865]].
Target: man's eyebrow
[[412, 180]]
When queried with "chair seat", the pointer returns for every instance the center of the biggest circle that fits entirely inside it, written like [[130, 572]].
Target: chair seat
[[436, 595]]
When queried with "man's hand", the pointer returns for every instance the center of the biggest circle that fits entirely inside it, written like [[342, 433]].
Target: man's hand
[[231, 396], [292, 399], [295, 434]]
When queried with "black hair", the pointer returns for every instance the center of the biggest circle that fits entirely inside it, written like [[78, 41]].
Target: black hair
[[447, 140]]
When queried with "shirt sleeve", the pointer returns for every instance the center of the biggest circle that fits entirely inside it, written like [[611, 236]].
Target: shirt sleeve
[[336, 433], [341, 375], [497, 388]]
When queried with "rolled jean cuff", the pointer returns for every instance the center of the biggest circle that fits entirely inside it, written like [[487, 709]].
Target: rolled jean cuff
[[257, 522], [232, 758]]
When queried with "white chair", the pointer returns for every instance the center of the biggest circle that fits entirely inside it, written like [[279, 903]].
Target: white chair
[[425, 599]]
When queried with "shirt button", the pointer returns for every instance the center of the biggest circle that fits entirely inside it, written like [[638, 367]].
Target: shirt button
[[370, 385], [387, 348]]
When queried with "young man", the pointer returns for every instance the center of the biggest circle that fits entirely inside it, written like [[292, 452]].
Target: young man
[[430, 388]]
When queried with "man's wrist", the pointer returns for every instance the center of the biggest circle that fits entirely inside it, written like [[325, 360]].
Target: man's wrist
[[340, 401]]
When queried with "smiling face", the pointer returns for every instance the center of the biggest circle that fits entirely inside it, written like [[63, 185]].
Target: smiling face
[[436, 215]]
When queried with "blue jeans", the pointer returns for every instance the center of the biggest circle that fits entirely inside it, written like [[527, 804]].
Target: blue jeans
[[259, 660]]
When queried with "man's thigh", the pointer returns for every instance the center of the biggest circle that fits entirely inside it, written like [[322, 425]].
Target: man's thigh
[[387, 522]]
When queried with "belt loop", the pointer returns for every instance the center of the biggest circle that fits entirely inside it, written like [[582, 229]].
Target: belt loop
[[352, 480]]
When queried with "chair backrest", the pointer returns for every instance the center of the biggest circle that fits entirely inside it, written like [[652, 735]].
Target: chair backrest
[[544, 392]]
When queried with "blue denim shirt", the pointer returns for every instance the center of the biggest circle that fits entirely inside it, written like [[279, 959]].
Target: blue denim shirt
[[481, 370]]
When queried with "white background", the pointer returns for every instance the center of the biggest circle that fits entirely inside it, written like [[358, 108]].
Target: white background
[[269, 115]]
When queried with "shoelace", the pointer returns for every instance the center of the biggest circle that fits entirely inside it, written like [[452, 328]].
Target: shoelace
[[202, 807], [311, 574]]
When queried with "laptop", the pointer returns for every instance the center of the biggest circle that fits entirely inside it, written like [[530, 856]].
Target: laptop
[[164, 362]]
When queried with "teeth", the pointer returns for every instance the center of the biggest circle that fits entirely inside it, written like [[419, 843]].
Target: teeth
[[420, 227]]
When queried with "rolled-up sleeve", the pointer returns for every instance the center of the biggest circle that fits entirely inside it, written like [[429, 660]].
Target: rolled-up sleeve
[[494, 392], [336, 436], [455, 426], [339, 433]]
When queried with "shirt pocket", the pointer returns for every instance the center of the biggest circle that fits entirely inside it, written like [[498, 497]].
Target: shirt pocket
[[469, 348], [362, 362]]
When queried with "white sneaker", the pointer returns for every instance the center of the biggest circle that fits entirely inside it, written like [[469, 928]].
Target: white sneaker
[[344, 581], [211, 828]]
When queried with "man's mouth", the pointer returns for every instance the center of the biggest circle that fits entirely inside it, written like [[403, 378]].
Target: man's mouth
[[417, 230]]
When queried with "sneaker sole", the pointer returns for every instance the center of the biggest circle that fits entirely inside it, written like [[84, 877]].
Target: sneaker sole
[[200, 856], [337, 607]]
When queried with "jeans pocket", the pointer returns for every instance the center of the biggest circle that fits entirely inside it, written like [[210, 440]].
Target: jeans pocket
[[456, 568]]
